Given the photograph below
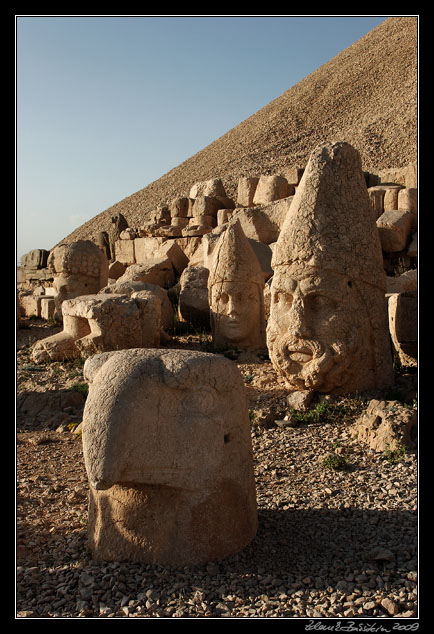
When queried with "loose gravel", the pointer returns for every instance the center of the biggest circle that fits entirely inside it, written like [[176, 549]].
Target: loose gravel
[[330, 543]]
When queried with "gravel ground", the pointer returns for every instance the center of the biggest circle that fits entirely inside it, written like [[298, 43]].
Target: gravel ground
[[331, 544]]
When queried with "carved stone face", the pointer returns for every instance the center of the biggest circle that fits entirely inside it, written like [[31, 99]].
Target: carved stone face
[[236, 313], [316, 329]]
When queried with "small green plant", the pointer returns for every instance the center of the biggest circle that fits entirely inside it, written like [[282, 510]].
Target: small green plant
[[394, 456], [335, 462], [248, 378], [80, 387], [252, 417]]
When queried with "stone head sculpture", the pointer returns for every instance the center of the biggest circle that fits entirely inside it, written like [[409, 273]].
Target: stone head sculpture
[[327, 329], [78, 268], [236, 293], [168, 454]]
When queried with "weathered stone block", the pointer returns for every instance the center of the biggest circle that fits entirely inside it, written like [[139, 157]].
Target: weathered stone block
[[35, 259], [179, 208], [158, 270], [386, 425], [48, 308], [394, 228], [146, 247], [271, 188], [403, 325], [116, 269], [193, 304], [206, 206], [103, 322], [124, 251], [212, 187]]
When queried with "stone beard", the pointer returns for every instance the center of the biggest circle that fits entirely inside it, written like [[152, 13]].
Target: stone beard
[[319, 335], [237, 314]]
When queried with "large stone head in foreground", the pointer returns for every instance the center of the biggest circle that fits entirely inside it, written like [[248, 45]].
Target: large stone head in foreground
[[168, 454], [236, 293], [328, 329]]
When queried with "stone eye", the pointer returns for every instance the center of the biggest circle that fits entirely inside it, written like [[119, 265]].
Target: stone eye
[[282, 298]]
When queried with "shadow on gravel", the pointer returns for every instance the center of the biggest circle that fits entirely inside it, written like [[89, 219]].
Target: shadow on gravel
[[316, 542]]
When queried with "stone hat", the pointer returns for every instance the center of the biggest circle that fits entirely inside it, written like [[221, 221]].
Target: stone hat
[[330, 224], [234, 259]]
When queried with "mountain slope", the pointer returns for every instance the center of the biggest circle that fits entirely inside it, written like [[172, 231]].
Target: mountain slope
[[366, 95]]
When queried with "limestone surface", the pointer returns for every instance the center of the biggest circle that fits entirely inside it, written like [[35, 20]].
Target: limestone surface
[[97, 323], [78, 268], [327, 329], [387, 425], [168, 454], [236, 293]]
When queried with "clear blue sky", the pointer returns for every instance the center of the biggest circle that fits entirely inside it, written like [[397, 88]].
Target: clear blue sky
[[106, 105]]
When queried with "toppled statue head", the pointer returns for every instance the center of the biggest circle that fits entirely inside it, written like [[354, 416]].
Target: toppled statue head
[[236, 293], [167, 449], [327, 329]]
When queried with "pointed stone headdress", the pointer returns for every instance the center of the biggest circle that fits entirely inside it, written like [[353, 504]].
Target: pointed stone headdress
[[234, 259], [330, 224]]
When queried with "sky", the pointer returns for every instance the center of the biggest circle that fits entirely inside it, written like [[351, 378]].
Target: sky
[[105, 105]]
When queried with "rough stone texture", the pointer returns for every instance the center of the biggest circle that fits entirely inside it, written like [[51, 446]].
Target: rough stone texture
[[390, 201], [131, 288], [28, 303], [292, 174], [78, 268], [128, 234], [103, 241], [145, 248], [236, 293], [176, 255], [158, 270], [48, 308], [327, 329], [405, 282], [118, 223], [270, 188], [212, 187], [394, 228], [206, 206], [387, 425], [97, 323], [193, 305], [263, 223], [167, 448], [366, 95], [376, 198], [246, 190], [179, 208], [412, 247], [124, 252], [403, 325], [407, 199], [116, 270], [35, 259]]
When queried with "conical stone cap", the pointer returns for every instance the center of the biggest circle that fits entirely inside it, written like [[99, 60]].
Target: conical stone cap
[[330, 225], [235, 260]]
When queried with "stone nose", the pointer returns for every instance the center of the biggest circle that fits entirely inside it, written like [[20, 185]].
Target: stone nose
[[232, 305], [298, 318]]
